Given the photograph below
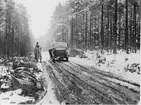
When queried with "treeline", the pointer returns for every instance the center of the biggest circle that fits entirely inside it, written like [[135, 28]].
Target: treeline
[[14, 29], [98, 24]]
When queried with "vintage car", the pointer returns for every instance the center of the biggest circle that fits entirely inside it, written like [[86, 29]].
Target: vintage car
[[59, 51]]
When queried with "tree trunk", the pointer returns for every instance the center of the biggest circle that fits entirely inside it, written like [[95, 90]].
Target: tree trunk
[[135, 48], [102, 28], [76, 39], [111, 30], [108, 36], [115, 29], [71, 34], [90, 32], [86, 30], [119, 34], [126, 29]]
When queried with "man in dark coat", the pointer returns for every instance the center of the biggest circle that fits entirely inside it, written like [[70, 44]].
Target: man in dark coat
[[37, 52]]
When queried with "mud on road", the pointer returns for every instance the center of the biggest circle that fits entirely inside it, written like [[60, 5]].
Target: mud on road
[[77, 84]]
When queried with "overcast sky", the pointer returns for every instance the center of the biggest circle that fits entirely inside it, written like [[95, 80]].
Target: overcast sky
[[40, 12]]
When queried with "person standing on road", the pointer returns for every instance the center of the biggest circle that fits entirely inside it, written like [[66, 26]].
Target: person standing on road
[[37, 52]]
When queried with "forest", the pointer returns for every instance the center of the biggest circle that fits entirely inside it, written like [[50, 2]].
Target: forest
[[15, 38], [108, 25], [100, 65]]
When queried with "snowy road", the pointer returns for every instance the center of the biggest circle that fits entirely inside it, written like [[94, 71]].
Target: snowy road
[[77, 84]]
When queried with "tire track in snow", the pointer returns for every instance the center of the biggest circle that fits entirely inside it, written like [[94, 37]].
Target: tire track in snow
[[79, 100], [48, 98], [100, 96], [107, 74], [109, 77], [129, 94], [104, 88], [95, 88]]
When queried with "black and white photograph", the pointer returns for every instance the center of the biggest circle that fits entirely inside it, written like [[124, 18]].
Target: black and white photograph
[[70, 52]]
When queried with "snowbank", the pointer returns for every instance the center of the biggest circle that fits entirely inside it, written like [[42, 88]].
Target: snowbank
[[13, 97], [24, 75], [116, 64]]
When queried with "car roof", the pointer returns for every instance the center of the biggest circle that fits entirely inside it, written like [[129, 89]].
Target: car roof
[[60, 45]]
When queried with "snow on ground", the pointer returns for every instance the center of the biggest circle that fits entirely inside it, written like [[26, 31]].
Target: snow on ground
[[49, 98], [117, 67], [13, 97], [7, 93], [3, 71], [45, 56]]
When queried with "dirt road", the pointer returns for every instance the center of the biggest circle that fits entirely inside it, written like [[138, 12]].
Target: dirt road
[[77, 84]]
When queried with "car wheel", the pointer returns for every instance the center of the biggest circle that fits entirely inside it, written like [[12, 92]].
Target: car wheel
[[67, 59], [53, 60]]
